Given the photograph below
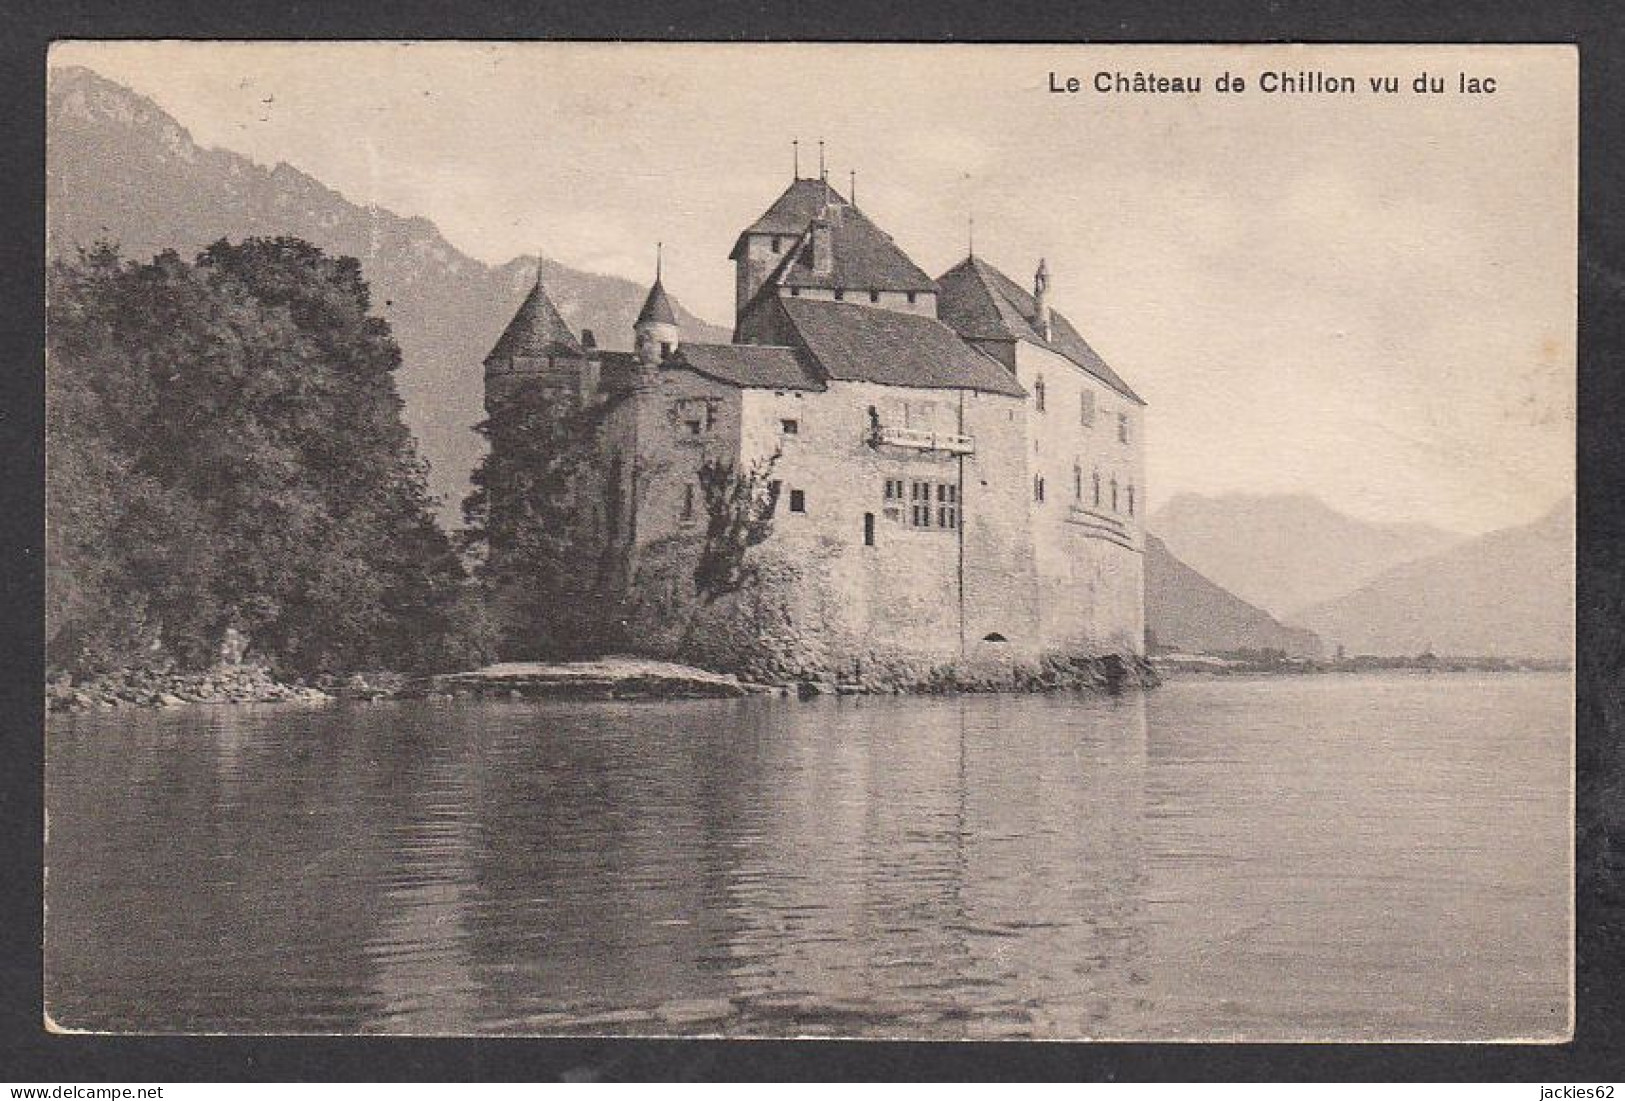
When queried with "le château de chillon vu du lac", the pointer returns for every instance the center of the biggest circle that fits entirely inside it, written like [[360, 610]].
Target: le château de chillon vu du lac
[[927, 474]]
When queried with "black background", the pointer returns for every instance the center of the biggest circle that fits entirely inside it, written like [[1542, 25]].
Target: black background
[[30, 1055]]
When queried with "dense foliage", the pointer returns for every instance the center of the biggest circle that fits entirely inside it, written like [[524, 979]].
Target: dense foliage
[[739, 507], [225, 450], [544, 522]]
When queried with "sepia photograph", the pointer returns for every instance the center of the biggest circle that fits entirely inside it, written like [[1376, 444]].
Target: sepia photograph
[[878, 541]]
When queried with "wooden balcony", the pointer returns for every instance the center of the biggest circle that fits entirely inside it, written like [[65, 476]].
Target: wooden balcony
[[922, 440]]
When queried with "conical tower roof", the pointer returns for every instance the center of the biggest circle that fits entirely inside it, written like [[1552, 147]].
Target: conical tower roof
[[537, 330], [657, 307]]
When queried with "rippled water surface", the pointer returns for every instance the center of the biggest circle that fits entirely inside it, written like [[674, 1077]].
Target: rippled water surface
[[1327, 857]]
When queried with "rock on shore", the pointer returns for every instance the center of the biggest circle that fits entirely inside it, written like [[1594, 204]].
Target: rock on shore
[[168, 688], [612, 678]]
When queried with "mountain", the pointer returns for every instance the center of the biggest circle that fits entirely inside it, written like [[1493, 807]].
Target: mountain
[[119, 168], [1187, 612], [1286, 552], [1506, 594]]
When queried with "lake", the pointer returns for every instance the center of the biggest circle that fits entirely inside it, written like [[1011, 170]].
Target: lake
[[1320, 857]]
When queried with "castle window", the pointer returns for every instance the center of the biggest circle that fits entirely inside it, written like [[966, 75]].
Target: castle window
[[1122, 428], [1131, 498], [798, 500], [696, 415], [1077, 482], [840, 296], [868, 529], [1097, 489], [795, 292], [1038, 488], [911, 297], [919, 499], [790, 426], [688, 501], [874, 296], [930, 504], [1114, 494], [1086, 408], [775, 244], [1038, 393], [947, 506]]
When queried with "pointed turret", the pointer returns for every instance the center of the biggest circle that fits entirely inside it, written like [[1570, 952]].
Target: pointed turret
[[657, 307], [656, 327], [537, 331], [538, 347], [1041, 315]]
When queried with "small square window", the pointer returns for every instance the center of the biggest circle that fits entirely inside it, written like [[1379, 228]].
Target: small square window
[[840, 296], [790, 426], [798, 500], [795, 292], [911, 297], [776, 244], [694, 427], [665, 349], [874, 296]]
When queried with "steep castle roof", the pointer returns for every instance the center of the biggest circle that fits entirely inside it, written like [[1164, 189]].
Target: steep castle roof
[[792, 211], [982, 303], [750, 366], [537, 331], [865, 258], [862, 344], [657, 307]]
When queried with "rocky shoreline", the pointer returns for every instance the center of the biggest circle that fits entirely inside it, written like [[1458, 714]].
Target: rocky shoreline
[[173, 688], [612, 678]]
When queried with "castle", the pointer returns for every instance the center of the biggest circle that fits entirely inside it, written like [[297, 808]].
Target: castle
[[960, 476]]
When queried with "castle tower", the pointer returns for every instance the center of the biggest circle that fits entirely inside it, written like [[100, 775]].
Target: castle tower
[[656, 327], [1041, 317], [536, 347]]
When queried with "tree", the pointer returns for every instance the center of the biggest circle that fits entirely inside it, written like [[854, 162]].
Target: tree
[[544, 523], [246, 404], [739, 507]]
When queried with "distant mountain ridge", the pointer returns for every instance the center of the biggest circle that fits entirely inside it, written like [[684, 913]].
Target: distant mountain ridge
[[1506, 594], [119, 168], [1286, 552], [1187, 612]]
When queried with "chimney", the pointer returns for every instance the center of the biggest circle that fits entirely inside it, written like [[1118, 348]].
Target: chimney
[[1041, 319], [823, 245]]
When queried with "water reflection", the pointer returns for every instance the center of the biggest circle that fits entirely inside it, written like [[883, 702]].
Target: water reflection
[[1213, 857]]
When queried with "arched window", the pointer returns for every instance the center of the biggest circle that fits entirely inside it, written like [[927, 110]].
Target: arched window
[[1077, 482], [1038, 393], [1097, 489], [1131, 498], [1114, 494]]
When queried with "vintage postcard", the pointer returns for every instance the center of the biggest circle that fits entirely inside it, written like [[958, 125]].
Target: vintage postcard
[[944, 542]]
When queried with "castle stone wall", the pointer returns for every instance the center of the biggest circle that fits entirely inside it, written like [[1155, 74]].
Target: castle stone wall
[[1088, 557], [924, 304]]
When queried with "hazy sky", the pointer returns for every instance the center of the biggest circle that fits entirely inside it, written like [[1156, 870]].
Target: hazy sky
[[1370, 298]]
